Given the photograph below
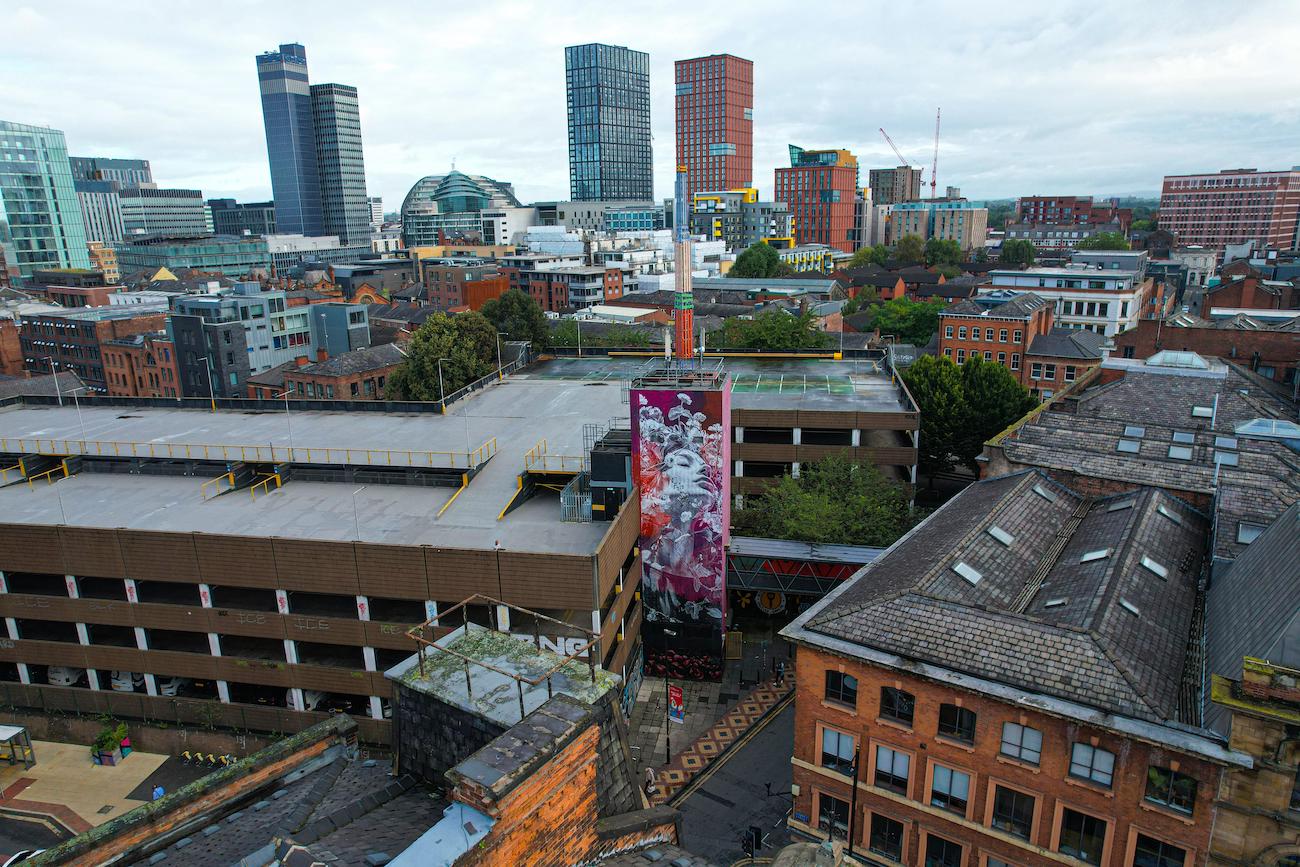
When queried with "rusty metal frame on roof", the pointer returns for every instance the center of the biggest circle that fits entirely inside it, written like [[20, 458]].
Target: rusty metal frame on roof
[[421, 632]]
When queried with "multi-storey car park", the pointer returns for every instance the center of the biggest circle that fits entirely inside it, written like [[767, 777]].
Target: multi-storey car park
[[259, 568]]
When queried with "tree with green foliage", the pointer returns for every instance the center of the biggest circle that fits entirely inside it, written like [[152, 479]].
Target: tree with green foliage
[[1144, 225], [867, 295], [1000, 212], [1018, 251], [910, 321], [759, 260], [981, 254], [910, 250], [519, 317], [940, 251], [877, 255], [1104, 241], [935, 385], [466, 342], [565, 333], [947, 271], [772, 330], [833, 501], [993, 399]]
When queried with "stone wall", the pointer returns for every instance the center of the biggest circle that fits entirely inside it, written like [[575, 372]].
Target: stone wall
[[431, 736]]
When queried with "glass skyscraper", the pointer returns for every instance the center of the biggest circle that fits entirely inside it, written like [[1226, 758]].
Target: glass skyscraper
[[607, 89], [290, 139], [40, 218], [340, 164]]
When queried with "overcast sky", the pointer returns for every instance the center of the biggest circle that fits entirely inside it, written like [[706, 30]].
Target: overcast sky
[[1066, 98]]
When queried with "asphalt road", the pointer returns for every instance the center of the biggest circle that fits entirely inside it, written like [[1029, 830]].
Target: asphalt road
[[735, 796], [19, 833]]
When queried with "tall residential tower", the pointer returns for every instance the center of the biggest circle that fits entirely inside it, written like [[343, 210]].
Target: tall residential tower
[[820, 188], [607, 90], [313, 142], [715, 122], [40, 219]]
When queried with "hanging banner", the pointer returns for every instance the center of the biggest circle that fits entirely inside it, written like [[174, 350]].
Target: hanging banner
[[676, 704]]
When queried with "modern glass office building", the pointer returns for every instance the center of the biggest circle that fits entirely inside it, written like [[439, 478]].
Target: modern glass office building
[[40, 219], [291, 139], [607, 90], [340, 164]]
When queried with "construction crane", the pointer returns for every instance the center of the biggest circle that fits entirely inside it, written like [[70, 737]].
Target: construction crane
[[934, 167], [901, 158]]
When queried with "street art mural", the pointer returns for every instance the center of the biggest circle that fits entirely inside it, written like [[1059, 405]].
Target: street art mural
[[681, 442]]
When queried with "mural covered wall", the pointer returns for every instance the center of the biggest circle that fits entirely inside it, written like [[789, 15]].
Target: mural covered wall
[[681, 442]]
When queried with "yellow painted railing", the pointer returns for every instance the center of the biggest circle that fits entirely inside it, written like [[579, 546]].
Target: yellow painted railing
[[5, 471], [538, 460], [228, 478], [265, 483], [257, 454], [48, 475], [464, 483]]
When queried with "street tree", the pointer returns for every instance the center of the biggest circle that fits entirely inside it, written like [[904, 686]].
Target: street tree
[[1104, 241], [940, 251], [759, 260], [772, 330], [910, 250], [993, 400], [936, 386], [465, 341], [875, 255], [910, 321], [519, 316], [1018, 251], [833, 501]]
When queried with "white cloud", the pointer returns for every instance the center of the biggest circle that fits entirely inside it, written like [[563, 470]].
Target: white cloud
[[1096, 97]]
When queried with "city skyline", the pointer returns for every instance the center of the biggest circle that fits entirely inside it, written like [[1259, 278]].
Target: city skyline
[[1018, 118]]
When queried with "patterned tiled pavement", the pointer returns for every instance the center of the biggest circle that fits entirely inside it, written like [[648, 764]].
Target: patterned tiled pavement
[[734, 723]]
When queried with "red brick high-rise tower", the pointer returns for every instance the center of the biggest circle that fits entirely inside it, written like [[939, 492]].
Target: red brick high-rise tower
[[715, 122]]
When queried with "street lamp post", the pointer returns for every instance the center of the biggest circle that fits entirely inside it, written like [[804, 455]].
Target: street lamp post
[[442, 392], [356, 517], [212, 391], [58, 391], [500, 334], [668, 713], [81, 421], [288, 420], [577, 323]]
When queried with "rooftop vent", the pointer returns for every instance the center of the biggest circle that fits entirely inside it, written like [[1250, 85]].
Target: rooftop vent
[[1174, 358]]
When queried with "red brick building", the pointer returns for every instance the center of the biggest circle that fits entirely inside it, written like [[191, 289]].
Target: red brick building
[[1072, 211], [820, 188], [11, 350], [1010, 684], [1232, 206], [447, 286], [1017, 331], [142, 365], [574, 287], [357, 375], [1249, 291], [74, 339], [1271, 349], [80, 296], [715, 122]]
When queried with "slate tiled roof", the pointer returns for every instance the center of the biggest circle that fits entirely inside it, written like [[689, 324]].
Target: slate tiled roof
[[1083, 436], [1109, 633], [1254, 606], [274, 377], [1069, 343], [357, 361], [15, 386], [1022, 305]]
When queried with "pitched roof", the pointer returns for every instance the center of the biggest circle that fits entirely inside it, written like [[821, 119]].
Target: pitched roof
[[1145, 409], [16, 386], [357, 361], [273, 378], [1069, 343], [1034, 605], [1254, 606], [1019, 305]]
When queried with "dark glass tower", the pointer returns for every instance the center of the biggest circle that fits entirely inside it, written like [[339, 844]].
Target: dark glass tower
[[290, 139], [607, 89], [339, 163]]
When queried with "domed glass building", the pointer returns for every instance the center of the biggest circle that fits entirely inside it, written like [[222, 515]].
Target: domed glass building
[[452, 204]]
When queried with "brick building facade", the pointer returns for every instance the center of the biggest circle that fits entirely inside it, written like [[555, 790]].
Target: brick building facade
[[1271, 350], [1017, 331], [357, 375], [1072, 211], [1231, 207], [1005, 686], [820, 188], [447, 286], [74, 340], [142, 365]]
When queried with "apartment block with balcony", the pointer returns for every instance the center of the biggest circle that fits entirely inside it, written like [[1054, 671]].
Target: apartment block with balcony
[[820, 187], [739, 219]]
